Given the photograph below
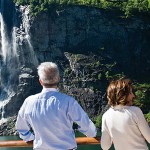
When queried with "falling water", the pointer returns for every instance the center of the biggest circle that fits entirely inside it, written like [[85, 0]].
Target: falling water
[[2, 111], [12, 46], [4, 46], [14, 43], [5, 43], [8, 64], [27, 29]]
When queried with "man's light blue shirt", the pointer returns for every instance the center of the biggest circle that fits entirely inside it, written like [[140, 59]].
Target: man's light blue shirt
[[51, 114]]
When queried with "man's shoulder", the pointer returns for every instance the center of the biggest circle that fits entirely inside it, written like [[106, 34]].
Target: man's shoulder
[[32, 97], [66, 97], [64, 94]]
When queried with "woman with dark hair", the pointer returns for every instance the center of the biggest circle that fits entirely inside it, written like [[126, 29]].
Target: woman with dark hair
[[123, 125]]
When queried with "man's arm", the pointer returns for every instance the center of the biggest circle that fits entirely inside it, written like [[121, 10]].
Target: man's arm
[[22, 126], [78, 115]]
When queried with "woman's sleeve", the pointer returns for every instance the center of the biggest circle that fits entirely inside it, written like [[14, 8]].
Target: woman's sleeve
[[105, 137], [143, 125]]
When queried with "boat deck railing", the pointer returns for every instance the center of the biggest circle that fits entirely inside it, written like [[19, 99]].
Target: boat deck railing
[[21, 143]]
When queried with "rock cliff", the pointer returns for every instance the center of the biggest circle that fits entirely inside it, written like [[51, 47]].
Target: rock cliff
[[89, 45]]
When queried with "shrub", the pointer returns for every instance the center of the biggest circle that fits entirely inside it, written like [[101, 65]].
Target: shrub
[[142, 100], [98, 121], [147, 116]]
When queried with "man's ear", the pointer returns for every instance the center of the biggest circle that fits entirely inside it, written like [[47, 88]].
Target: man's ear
[[41, 82]]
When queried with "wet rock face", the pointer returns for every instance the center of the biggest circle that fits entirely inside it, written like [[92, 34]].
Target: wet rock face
[[82, 30], [89, 45], [28, 84], [8, 127]]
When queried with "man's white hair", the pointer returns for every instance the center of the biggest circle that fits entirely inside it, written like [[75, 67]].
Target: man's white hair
[[48, 73]]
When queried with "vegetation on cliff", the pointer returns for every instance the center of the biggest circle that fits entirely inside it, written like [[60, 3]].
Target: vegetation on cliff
[[90, 74], [129, 7], [142, 100]]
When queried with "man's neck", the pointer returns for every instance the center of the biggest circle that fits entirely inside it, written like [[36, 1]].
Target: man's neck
[[55, 86]]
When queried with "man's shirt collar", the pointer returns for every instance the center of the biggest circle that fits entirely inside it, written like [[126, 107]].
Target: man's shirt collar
[[49, 89]]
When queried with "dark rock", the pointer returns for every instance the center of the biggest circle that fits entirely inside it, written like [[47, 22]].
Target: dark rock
[[90, 46]]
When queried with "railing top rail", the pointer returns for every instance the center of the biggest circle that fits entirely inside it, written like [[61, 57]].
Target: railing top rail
[[21, 143]]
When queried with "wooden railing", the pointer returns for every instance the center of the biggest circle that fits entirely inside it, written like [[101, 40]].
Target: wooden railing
[[20, 143]]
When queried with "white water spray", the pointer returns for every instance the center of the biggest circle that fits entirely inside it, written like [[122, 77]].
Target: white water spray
[[8, 50], [14, 43], [2, 111], [13, 48], [5, 43], [27, 29], [8, 63]]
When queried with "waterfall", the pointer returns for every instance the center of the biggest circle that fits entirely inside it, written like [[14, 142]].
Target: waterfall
[[7, 51], [4, 39], [26, 25], [2, 110], [14, 43], [3, 54], [16, 51]]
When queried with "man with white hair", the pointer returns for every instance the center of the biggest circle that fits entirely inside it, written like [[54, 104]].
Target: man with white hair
[[51, 114]]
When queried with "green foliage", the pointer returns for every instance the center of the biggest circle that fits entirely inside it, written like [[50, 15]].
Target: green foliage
[[148, 4], [129, 7], [110, 76], [99, 76], [134, 6], [98, 121], [21, 2], [142, 100], [110, 72], [147, 116]]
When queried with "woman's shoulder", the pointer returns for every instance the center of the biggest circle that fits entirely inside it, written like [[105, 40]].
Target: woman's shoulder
[[135, 110], [107, 112]]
